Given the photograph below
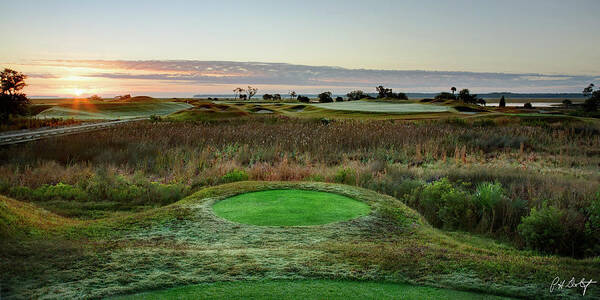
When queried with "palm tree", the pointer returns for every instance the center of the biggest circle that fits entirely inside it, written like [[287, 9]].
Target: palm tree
[[292, 94], [453, 89]]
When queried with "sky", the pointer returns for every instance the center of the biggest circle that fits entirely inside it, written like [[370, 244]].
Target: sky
[[181, 48]]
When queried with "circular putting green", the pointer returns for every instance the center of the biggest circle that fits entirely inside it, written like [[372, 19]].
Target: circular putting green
[[289, 208]]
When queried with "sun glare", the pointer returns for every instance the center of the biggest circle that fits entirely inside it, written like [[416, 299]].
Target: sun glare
[[78, 92]]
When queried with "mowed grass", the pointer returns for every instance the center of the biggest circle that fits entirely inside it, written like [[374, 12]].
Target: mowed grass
[[401, 108], [290, 208], [108, 111], [307, 289]]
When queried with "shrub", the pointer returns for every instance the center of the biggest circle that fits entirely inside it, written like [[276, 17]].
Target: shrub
[[444, 205], [528, 105], [345, 176], [339, 99], [235, 175], [325, 97], [303, 99], [543, 229], [155, 118], [488, 196], [356, 95]]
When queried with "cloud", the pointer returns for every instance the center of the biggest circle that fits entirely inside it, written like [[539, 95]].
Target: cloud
[[257, 73]]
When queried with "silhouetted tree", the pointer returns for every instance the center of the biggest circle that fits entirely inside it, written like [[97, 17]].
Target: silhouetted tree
[[325, 97], [356, 95], [303, 99], [243, 97], [267, 97], [567, 102], [238, 92], [339, 99], [292, 94], [277, 97], [465, 96], [588, 90], [528, 105], [12, 100], [445, 96], [251, 92], [95, 98], [453, 89], [383, 92], [502, 102]]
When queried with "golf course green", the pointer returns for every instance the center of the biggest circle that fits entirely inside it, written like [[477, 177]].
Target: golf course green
[[289, 208]]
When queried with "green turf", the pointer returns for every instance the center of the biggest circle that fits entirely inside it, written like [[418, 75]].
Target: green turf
[[365, 106], [289, 208], [307, 289], [107, 111]]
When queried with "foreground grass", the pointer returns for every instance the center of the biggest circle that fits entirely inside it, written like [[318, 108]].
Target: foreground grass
[[187, 243], [289, 208], [307, 289]]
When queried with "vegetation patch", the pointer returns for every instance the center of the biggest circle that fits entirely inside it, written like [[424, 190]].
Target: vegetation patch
[[290, 208]]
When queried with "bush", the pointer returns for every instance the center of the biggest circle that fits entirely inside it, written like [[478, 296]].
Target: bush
[[528, 105], [325, 97], [345, 176], [356, 95], [303, 99], [155, 118], [543, 229], [339, 99], [235, 175], [444, 205], [488, 196]]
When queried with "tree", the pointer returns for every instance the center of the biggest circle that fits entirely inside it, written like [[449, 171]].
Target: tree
[[567, 102], [325, 97], [243, 97], [303, 99], [502, 102], [528, 105], [12, 100], [267, 97], [453, 89], [465, 96], [97, 98], [339, 99], [251, 92], [277, 97], [588, 90], [292, 94], [383, 92], [593, 102], [238, 92], [443, 96], [356, 95]]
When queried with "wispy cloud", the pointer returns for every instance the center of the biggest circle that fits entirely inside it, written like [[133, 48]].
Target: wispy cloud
[[257, 73]]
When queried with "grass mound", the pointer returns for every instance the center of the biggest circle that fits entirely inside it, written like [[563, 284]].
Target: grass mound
[[307, 289], [289, 208]]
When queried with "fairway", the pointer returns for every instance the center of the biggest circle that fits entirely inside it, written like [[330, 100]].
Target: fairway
[[110, 111], [289, 208], [307, 289], [364, 106]]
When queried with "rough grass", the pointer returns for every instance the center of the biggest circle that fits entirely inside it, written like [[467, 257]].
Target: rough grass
[[307, 289], [186, 243], [289, 208]]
